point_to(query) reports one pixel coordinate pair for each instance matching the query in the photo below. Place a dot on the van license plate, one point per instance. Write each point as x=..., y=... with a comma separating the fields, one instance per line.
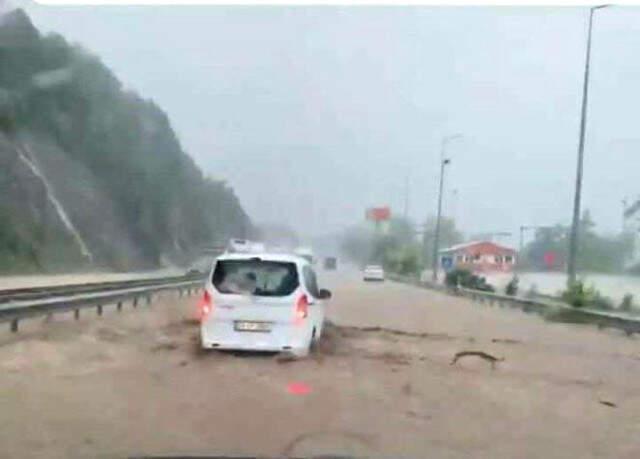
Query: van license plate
x=252, y=326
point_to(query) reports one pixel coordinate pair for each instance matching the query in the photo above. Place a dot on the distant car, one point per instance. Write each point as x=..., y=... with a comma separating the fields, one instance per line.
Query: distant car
x=330, y=263
x=373, y=273
x=262, y=302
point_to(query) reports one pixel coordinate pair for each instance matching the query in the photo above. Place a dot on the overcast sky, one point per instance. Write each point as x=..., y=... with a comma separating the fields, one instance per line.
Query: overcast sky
x=314, y=114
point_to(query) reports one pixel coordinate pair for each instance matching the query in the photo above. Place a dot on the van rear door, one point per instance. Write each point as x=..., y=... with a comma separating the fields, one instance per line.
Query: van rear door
x=255, y=290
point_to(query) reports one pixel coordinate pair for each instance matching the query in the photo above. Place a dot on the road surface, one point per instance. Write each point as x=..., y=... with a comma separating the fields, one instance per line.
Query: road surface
x=135, y=383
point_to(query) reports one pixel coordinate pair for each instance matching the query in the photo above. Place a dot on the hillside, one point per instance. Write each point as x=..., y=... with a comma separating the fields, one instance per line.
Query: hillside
x=91, y=174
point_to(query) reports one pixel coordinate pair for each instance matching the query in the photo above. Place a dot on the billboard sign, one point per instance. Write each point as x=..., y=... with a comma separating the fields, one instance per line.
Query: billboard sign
x=549, y=259
x=378, y=214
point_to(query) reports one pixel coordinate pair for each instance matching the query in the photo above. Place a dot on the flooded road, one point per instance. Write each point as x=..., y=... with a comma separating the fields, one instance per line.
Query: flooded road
x=383, y=383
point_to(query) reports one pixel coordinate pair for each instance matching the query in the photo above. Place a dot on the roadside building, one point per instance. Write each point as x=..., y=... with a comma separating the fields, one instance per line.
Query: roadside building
x=478, y=256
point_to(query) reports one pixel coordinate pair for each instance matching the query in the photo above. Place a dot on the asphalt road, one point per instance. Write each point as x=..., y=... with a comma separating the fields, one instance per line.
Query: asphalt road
x=135, y=383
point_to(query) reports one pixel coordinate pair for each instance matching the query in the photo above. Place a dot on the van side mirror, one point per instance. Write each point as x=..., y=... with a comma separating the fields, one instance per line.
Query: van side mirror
x=324, y=294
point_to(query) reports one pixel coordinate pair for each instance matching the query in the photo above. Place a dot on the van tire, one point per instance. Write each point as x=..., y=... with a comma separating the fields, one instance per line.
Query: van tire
x=313, y=344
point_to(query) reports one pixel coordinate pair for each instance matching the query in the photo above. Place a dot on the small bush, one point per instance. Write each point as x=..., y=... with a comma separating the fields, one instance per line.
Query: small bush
x=465, y=278
x=578, y=295
x=512, y=287
x=532, y=292
x=602, y=302
x=626, y=304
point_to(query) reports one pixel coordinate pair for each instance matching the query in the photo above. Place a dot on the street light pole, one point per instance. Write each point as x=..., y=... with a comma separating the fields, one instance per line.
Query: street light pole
x=573, y=241
x=443, y=162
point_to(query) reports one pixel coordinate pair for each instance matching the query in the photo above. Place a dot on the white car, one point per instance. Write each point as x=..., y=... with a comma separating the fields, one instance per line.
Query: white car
x=373, y=273
x=262, y=302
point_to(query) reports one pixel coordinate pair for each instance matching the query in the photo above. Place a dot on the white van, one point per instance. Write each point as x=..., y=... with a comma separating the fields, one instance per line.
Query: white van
x=262, y=302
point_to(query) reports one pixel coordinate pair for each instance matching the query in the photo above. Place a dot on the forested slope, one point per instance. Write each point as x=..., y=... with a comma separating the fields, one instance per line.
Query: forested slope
x=92, y=174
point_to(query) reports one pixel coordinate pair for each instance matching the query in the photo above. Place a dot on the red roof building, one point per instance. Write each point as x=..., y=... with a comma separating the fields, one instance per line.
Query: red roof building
x=478, y=256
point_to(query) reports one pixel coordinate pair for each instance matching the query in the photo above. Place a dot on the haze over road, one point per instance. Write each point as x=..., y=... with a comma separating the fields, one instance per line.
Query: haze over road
x=134, y=383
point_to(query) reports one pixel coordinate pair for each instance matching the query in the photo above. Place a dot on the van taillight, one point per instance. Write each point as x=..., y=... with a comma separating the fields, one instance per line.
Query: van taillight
x=205, y=306
x=302, y=308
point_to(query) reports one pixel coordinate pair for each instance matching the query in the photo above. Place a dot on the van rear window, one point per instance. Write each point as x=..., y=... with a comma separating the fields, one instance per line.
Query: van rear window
x=255, y=277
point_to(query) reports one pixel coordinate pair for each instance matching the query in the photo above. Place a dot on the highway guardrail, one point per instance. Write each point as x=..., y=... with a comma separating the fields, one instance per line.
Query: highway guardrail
x=42, y=301
x=554, y=311
x=34, y=293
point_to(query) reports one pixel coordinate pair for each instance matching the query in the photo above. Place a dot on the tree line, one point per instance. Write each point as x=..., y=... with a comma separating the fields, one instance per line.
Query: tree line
x=408, y=248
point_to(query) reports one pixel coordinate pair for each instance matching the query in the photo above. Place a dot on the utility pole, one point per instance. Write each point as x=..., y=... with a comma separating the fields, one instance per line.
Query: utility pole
x=436, y=240
x=573, y=241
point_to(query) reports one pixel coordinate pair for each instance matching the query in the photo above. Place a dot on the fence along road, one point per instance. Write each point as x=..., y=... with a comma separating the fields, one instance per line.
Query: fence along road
x=549, y=307
x=20, y=304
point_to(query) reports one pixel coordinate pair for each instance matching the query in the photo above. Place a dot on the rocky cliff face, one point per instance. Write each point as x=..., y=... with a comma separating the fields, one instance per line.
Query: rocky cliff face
x=91, y=175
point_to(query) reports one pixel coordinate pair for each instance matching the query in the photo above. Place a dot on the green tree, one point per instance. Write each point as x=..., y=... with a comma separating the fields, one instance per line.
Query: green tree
x=64, y=94
x=396, y=249
x=596, y=252
x=546, y=240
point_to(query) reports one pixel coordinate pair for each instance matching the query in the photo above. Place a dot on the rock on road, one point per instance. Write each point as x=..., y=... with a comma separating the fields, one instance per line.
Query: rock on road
x=381, y=385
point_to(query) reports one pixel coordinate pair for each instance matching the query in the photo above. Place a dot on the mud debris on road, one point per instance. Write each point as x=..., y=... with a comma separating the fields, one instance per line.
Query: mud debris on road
x=481, y=354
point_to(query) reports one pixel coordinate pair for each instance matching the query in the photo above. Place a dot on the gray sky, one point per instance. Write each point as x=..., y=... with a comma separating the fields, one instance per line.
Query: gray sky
x=313, y=114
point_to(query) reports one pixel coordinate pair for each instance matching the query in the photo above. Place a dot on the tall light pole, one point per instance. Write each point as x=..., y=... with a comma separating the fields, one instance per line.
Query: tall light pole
x=436, y=240
x=575, y=223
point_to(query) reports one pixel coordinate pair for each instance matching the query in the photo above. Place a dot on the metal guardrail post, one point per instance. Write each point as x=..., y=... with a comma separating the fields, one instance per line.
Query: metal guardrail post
x=14, y=325
x=76, y=314
x=135, y=302
x=119, y=306
x=99, y=309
